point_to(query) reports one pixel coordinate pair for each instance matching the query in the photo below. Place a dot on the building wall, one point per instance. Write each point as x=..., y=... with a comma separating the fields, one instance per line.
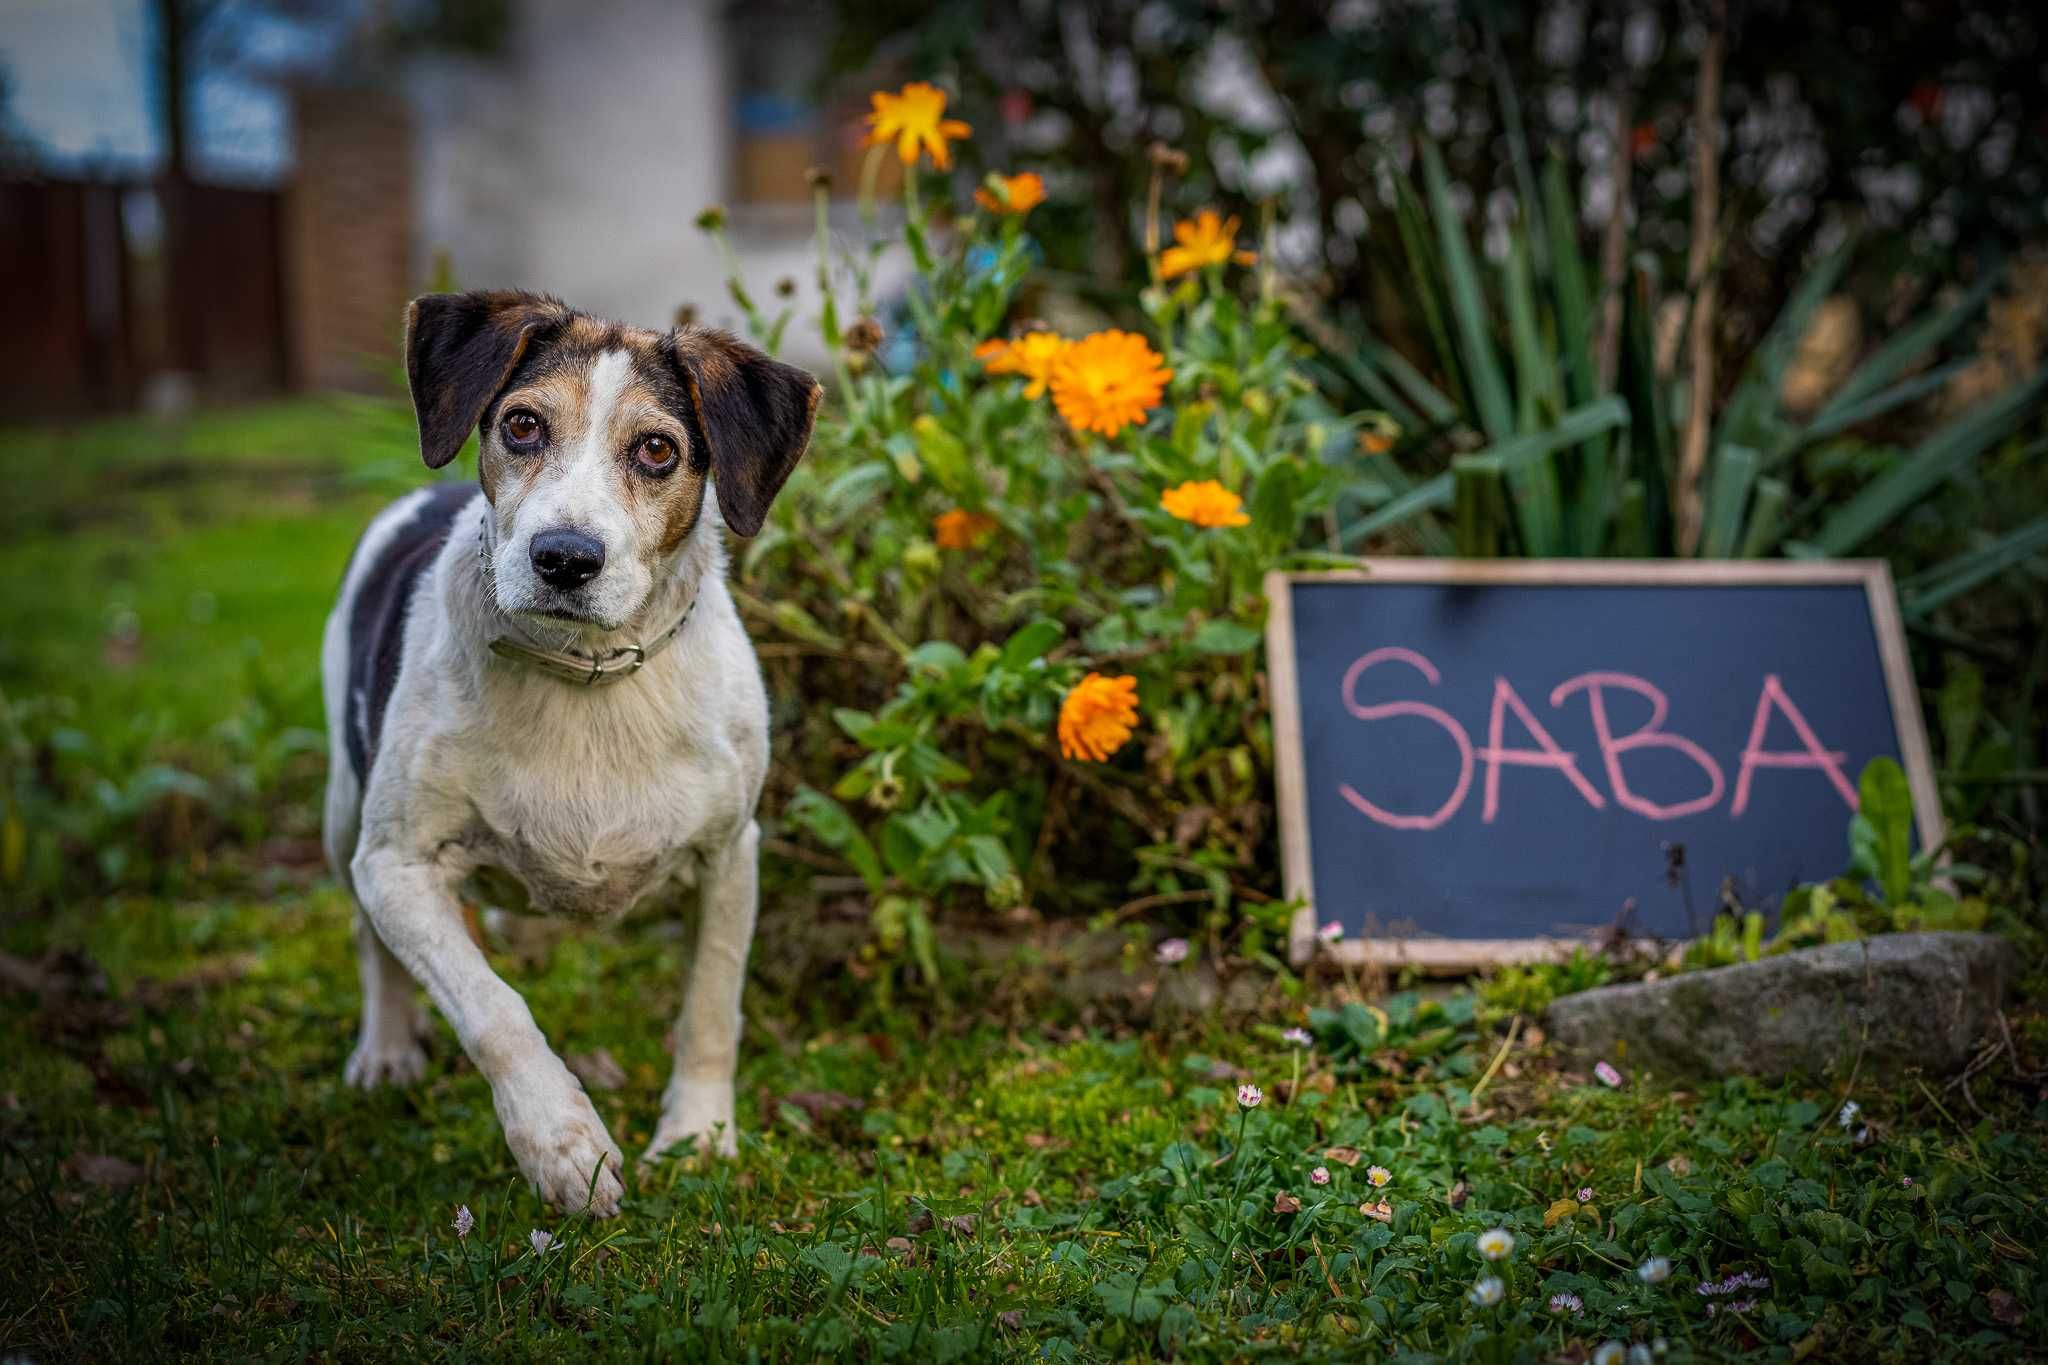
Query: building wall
x=576, y=160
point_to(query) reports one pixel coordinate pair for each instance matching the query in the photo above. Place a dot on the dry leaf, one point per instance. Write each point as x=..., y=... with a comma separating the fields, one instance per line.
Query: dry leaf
x=1284, y=1202
x=108, y=1172
x=1460, y=1192
x=1032, y=1199
x=1343, y=1156
x=1680, y=1166
x=1382, y=1211
x=597, y=1069
x=962, y=1223
x=1561, y=1209
x=2005, y=1308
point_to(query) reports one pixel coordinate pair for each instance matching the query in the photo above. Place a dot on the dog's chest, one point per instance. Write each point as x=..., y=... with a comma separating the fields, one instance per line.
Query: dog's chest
x=591, y=834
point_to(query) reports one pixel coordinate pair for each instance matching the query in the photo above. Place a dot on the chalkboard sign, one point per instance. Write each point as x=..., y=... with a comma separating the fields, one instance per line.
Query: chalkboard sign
x=1480, y=760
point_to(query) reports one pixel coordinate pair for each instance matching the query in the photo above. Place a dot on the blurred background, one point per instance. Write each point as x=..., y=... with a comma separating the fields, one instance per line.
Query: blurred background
x=213, y=211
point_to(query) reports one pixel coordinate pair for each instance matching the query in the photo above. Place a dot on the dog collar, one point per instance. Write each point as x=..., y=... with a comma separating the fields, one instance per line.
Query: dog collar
x=590, y=670
x=573, y=665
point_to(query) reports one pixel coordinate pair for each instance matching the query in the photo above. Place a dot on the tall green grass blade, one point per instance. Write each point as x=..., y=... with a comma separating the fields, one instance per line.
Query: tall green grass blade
x=1766, y=519
x=1517, y=137
x=1539, y=394
x=1517, y=453
x=1440, y=410
x=1750, y=417
x=1358, y=370
x=1836, y=417
x=1431, y=496
x=1632, y=523
x=1940, y=457
x=1925, y=592
x=1568, y=284
x=1735, y=473
x=1890, y=360
x=1479, y=517
x=1426, y=277
x=1649, y=439
x=1468, y=302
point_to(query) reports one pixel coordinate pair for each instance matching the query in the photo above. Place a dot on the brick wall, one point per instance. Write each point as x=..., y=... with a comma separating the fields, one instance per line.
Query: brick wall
x=349, y=221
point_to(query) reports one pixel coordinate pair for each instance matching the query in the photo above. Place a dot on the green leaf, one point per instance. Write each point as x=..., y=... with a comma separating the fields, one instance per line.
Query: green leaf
x=1940, y=457
x=829, y=823
x=1892, y=359
x=1924, y=592
x=1885, y=812
x=1734, y=474
x=1468, y=303
x=1224, y=637
x=1030, y=642
x=1273, y=503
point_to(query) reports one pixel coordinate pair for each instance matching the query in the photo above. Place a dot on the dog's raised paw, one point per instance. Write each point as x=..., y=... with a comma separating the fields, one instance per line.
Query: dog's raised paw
x=377, y=1062
x=560, y=1161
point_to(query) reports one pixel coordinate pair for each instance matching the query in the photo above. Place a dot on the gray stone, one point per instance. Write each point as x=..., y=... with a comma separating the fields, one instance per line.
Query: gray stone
x=1880, y=1006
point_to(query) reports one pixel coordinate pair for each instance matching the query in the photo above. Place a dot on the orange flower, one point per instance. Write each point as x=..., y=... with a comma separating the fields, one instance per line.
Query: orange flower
x=1032, y=355
x=1209, y=240
x=961, y=529
x=1018, y=194
x=1097, y=716
x=1108, y=381
x=914, y=118
x=1375, y=442
x=1207, y=503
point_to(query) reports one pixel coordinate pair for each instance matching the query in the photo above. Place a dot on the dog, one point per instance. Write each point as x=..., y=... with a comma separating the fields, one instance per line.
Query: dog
x=540, y=697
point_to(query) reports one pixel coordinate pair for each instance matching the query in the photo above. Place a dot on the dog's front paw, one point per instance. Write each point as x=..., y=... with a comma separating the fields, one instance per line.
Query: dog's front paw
x=565, y=1153
x=385, y=1061
x=699, y=1110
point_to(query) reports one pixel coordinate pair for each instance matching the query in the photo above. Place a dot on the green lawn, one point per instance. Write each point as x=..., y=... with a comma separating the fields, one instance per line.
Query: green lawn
x=182, y=1172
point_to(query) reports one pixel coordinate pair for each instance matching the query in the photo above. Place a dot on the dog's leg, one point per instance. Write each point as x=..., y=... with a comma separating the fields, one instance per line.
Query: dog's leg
x=552, y=1128
x=388, y=1047
x=699, y=1102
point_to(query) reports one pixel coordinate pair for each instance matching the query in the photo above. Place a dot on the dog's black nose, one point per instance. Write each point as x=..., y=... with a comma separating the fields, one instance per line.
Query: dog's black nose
x=566, y=559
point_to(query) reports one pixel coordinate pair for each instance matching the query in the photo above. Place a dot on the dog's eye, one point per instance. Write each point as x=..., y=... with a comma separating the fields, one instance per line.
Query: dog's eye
x=521, y=428
x=655, y=454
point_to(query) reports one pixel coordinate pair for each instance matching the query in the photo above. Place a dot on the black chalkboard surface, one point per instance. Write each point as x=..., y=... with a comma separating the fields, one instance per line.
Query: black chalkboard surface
x=1480, y=759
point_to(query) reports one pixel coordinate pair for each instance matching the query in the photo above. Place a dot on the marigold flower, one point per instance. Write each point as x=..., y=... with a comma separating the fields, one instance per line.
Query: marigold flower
x=960, y=529
x=1210, y=239
x=1170, y=951
x=1319, y=1176
x=1097, y=716
x=1108, y=381
x=914, y=119
x=1250, y=1096
x=1486, y=1292
x=1032, y=355
x=1496, y=1244
x=1207, y=504
x=1019, y=194
x=1379, y=1176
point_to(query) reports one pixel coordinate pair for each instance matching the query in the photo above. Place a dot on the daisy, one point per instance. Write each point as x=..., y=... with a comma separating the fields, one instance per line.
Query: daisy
x=1379, y=1176
x=1319, y=1176
x=1656, y=1270
x=1330, y=932
x=1487, y=1291
x=464, y=1220
x=1850, y=1110
x=1496, y=1244
x=1170, y=951
x=1567, y=1303
x=1299, y=1037
x=1607, y=1074
x=541, y=1242
x=1250, y=1096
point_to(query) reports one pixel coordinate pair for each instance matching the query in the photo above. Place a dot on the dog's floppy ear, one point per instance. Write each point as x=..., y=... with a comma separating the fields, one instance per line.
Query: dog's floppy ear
x=459, y=352
x=755, y=414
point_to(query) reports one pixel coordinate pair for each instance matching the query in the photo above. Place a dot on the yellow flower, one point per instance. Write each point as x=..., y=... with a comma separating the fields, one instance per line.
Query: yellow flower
x=1207, y=503
x=1032, y=355
x=961, y=529
x=1020, y=194
x=1108, y=381
x=914, y=118
x=1097, y=716
x=1209, y=240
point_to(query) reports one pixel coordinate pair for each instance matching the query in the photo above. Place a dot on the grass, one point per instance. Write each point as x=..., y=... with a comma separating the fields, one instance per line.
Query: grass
x=982, y=1176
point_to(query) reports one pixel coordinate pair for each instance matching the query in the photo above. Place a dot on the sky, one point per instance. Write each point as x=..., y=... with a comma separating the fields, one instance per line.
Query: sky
x=81, y=88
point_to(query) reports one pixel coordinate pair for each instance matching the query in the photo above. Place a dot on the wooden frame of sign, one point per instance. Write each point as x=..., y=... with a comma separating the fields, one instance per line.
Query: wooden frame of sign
x=1455, y=955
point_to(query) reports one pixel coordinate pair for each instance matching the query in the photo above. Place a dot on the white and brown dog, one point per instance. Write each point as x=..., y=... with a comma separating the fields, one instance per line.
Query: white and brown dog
x=541, y=690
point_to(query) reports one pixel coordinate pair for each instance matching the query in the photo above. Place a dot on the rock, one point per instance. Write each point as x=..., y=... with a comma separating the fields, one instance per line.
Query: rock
x=1898, y=1002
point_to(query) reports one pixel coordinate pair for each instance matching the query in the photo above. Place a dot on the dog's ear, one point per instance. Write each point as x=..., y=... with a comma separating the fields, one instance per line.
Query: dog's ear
x=755, y=415
x=459, y=353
